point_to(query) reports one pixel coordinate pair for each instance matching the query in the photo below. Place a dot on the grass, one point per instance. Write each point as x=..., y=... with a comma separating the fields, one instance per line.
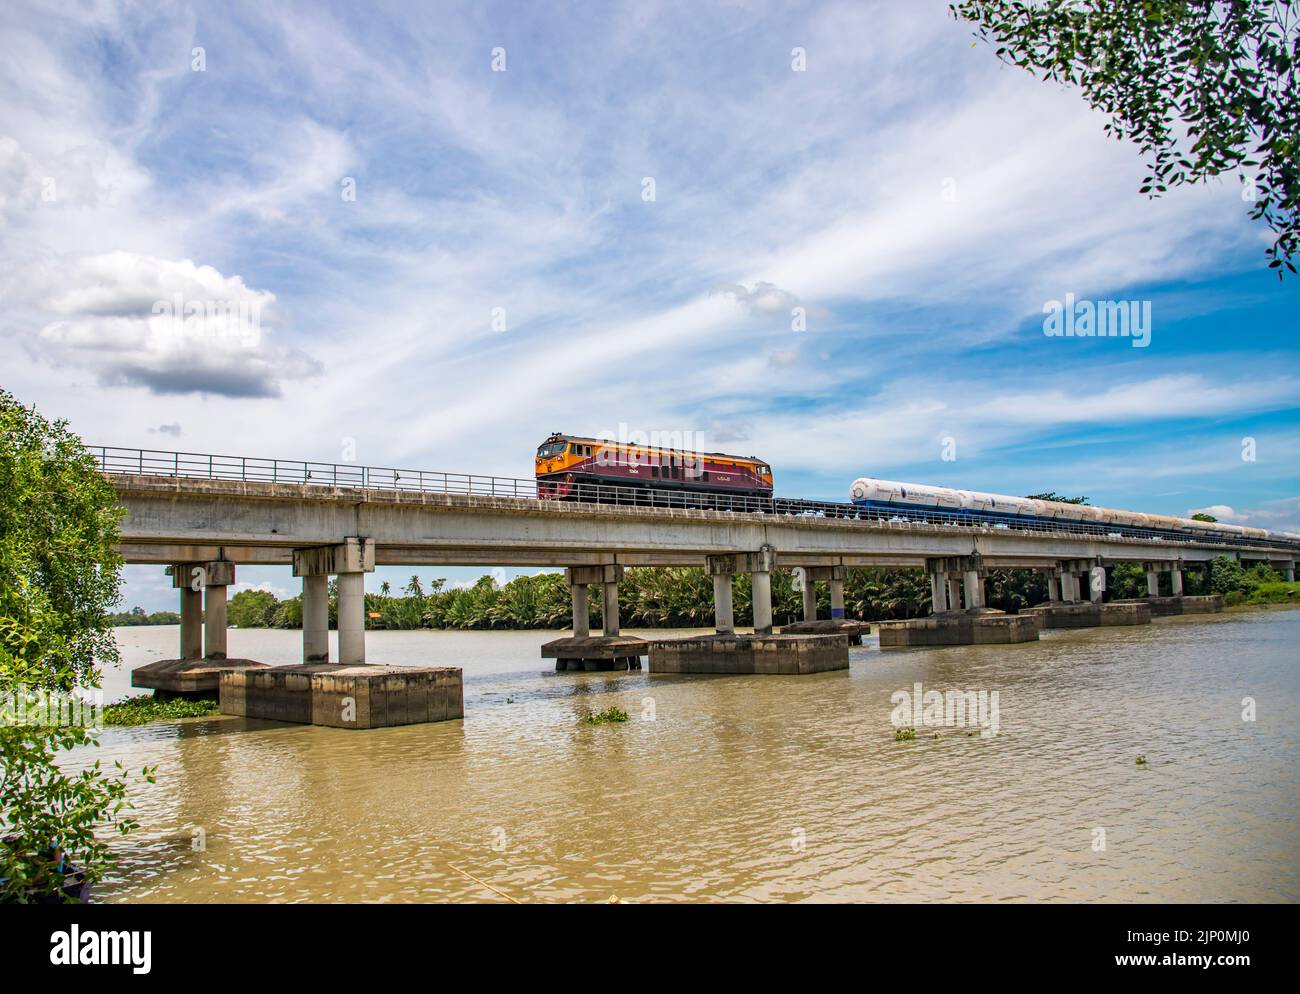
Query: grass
x=610, y=716
x=146, y=708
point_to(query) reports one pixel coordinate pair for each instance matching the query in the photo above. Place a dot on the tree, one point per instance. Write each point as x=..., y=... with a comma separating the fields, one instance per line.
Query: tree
x=385, y=589
x=252, y=609
x=1203, y=87
x=59, y=575
x=1202, y=516
x=1052, y=495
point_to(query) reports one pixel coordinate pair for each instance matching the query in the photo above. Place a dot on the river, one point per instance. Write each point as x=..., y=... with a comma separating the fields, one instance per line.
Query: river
x=746, y=788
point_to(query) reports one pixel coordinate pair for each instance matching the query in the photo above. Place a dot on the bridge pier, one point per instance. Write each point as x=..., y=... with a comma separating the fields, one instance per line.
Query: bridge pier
x=582, y=651
x=724, y=614
x=581, y=610
x=315, y=619
x=350, y=562
x=836, y=624
x=197, y=672
x=191, y=621
x=1097, y=584
x=809, y=598
x=1053, y=587
x=350, y=693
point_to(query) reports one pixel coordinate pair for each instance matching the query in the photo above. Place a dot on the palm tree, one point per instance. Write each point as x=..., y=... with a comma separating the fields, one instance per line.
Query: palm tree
x=385, y=589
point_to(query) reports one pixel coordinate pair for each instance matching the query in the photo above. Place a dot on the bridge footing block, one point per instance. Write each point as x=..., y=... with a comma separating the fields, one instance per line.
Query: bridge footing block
x=1162, y=607
x=343, y=696
x=853, y=630
x=595, y=653
x=192, y=679
x=758, y=654
x=1087, y=615
x=979, y=626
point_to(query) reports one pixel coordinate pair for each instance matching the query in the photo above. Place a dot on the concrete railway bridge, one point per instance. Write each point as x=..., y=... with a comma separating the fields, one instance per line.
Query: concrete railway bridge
x=201, y=515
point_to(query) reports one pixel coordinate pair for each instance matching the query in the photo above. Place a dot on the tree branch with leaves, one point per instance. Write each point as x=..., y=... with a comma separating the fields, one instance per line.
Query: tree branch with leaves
x=1202, y=87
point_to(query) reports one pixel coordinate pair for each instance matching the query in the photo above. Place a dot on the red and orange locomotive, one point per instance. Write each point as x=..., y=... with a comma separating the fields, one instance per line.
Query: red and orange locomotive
x=566, y=462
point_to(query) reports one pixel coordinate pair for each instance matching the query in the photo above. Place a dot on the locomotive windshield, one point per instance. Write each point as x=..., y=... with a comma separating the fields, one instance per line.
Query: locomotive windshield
x=549, y=449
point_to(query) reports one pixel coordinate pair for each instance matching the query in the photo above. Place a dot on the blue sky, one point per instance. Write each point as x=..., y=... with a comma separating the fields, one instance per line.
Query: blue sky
x=919, y=202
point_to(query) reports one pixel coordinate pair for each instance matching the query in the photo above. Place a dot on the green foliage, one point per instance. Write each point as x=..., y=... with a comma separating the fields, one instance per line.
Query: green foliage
x=1202, y=516
x=610, y=716
x=59, y=575
x=905, y=735
x=1012, y=590
x=252, y=609
x=1227, y=576
x=1053, y=495
x=146, y=708
x=136, y=616
x=1127, y=580
x=1276, y=592
x=1201, y=86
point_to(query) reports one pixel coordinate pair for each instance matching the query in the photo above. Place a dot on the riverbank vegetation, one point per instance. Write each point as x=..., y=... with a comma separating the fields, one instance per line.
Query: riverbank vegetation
x=59, y=574
x=137, y=616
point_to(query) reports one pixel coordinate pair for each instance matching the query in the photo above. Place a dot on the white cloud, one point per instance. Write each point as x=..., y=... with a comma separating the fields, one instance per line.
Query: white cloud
x=170, y=326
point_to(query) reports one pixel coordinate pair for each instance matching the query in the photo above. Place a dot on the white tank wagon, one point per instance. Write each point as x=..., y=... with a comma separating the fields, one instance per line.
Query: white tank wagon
x=939, y=505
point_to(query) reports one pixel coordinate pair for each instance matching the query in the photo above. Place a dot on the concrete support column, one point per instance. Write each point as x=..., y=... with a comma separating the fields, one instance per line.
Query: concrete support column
x=352, y=619
x=1097, y=584
x=759, y=566
x=1176, y=580
x=809, y=598
x=837, y=599
x=938, y=593
x=1069, y=586
x=1053, y=588
x=1153, y=583
x=723, y=612
x=1288, y=572
x=954, y=592
x=351, y=560
x=974, y=584
x=761, y=587
x=581, y=611
x=315, y=619
x=214, y=621
x=609, y=610
x=191, y=623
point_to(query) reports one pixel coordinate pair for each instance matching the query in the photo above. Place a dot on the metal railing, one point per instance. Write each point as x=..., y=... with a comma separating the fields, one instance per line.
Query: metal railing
x=193, y=465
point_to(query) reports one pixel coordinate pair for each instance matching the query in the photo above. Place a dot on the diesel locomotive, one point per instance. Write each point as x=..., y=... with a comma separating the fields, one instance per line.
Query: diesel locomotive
x=573, y=467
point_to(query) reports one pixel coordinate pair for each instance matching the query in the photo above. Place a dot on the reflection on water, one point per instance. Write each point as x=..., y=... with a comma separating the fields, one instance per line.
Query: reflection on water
x=747, y=788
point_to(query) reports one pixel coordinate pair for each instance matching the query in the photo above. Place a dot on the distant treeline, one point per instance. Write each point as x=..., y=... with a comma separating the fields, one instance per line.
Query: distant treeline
x=682, y=597
x=137, y=616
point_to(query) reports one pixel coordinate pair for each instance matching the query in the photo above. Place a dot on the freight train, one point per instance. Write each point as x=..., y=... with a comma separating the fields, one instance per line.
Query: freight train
x=578, y=468
x=887, y=498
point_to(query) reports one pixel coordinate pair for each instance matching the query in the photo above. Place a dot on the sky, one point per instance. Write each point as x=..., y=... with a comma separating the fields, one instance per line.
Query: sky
x=824, y=234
